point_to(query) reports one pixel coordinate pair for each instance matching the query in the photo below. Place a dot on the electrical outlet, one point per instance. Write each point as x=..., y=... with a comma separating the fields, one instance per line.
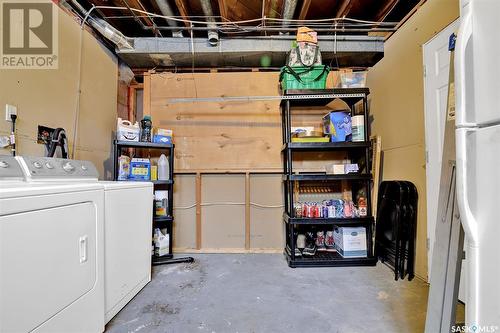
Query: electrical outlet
x=10, y=110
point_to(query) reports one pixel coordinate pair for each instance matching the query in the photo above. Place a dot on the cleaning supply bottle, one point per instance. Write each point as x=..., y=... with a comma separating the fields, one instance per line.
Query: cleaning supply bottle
x=146, y=128
x=163, y=168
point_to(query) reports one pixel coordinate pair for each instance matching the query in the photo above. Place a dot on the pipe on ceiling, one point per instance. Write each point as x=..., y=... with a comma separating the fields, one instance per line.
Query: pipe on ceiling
x=288, y=11
x=110, y=32
x=213, y=35
x=166, y=10
x=229, y=29
x=106, y=29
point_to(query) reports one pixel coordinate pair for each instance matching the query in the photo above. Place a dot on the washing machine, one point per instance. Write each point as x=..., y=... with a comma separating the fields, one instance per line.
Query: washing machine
x=128, y=220
x=127, y=233
x=51, y=249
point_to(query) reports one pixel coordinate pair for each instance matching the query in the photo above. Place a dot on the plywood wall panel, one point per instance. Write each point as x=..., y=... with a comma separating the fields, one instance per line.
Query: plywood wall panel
x=219, y=136
x=223, y=212
x=228, y=135
x=266, y=224
x=185, y=218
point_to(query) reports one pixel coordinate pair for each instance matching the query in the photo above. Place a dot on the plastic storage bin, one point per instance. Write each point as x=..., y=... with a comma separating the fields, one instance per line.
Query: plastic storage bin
x=353, y=79
x=304, y=77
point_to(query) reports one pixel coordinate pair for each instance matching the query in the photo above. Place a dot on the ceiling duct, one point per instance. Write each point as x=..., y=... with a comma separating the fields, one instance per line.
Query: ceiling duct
x=166, y=10
x=288, y=11
x=106, y=29
x=213, y=36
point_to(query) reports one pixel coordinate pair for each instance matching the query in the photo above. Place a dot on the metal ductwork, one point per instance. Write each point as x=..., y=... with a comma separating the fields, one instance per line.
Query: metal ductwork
x=106, y=29
x=166, y=10
x=213, y=36
x=110, y=33
x=288, y=11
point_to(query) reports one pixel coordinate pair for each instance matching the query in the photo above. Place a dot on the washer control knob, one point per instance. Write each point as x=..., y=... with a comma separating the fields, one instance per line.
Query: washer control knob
x=37, y=165
x=84, y=168
x=68, y=167
x=4, y=164
x=48, y=165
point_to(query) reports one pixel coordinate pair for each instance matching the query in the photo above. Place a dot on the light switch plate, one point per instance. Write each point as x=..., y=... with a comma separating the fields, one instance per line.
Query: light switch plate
x=10, y=110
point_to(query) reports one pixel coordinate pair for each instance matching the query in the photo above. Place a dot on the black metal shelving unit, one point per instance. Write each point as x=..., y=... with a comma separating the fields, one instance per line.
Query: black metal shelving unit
x=158, y=221
x=311, y=98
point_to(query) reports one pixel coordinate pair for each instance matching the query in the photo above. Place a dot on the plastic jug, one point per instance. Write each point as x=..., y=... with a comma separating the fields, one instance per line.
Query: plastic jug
x=163, y=168
x=126, y=131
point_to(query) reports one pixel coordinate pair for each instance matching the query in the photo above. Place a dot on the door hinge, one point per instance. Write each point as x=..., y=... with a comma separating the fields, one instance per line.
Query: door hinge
x=426, y=157
x=428, y=244
x=425, y=71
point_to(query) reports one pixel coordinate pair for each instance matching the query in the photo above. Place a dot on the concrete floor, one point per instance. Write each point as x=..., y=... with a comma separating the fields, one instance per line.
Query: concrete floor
x=259, y=293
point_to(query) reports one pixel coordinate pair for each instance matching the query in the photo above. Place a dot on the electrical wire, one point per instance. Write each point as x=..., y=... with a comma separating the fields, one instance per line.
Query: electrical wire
x=79, y=86
x=173, y=18
x=228, y=203
x=295, y=25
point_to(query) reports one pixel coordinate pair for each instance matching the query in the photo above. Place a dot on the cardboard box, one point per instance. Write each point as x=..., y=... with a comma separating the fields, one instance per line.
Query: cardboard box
x=337, y=124
x=140, y=169
x=308, y=35
x=335, y=169
x=162, y=139
x=164, y=132
x=350, y=242
x=311, y=139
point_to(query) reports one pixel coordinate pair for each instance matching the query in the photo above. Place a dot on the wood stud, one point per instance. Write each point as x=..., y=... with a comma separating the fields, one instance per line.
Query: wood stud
x=247, y=211
x=198, y=211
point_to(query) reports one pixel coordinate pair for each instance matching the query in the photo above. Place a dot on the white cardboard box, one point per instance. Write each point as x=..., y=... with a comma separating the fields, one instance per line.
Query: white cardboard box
x=350, y=242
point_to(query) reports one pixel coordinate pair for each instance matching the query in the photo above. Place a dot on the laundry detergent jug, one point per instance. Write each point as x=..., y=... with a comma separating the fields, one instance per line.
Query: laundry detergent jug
x=126, y=131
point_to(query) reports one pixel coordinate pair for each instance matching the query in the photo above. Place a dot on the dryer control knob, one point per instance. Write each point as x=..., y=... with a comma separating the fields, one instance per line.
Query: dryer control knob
x=4, y=164
x=37, y=165
x=48, y=165
x=68, y=167
x=84, y=168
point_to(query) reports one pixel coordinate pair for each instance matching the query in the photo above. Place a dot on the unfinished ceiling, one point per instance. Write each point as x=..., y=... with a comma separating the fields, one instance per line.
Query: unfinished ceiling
x=250, y=33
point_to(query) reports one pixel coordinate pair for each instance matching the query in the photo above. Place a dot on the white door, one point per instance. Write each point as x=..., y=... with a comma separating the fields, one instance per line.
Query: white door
x=436, y=78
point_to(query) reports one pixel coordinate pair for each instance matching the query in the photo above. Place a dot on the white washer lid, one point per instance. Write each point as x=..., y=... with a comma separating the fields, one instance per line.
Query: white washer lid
x=116, y=185
x=22, y=189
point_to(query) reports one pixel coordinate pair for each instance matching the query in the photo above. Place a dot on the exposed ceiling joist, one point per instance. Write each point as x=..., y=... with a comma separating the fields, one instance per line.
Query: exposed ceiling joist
x=385, y=10
x=344, y=8
x=223, y=9
x=181, y=6
x=305, y=9
x=136, y=4
x=273, y=8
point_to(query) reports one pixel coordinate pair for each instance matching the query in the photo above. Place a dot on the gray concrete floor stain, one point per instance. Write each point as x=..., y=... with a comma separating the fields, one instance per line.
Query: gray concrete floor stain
x=260, y=293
